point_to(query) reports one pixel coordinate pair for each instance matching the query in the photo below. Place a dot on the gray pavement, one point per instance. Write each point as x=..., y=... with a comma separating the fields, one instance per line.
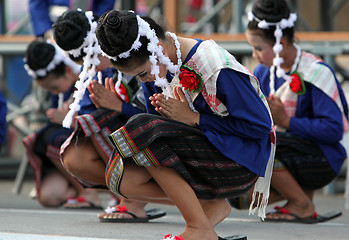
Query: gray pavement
x=22, y=218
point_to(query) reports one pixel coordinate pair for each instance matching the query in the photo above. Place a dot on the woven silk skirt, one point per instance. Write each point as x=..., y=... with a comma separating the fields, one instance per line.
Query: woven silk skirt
x=304, y=160
x=97, y=125
x=151, y=140
x=42, y=147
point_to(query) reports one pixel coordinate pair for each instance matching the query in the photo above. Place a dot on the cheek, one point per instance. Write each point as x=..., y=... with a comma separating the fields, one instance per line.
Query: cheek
x=65, y=86
x=163, y=71
x=53, y=91
x=102, y=66
x=268, y=57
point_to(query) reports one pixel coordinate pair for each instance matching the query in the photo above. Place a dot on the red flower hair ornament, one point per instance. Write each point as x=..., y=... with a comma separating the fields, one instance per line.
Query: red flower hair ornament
x=297, y=84
x=190, y=79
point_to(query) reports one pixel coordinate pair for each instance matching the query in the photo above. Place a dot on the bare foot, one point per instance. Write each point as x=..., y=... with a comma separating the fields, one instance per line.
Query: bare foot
x=81, y=202
x=201, y=233
x=303, y=210
x=216, y=210
x=135, y=207
x=86, y=198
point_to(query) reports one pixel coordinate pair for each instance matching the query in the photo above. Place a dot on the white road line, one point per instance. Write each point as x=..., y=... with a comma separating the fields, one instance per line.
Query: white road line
x=21, y=236
x=230, y=219
x=38, y=211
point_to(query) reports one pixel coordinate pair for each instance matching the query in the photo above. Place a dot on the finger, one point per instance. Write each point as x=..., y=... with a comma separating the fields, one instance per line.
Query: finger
x=181, y=95
x=94, y=99
x=109, y=84
x=277, y=99
x=90, y=89
x=157, y=109
x=176, y=94
x=158, y=96
x=66, y=104
x=164, y=112
x=162, y=102
x=154, y=104
x=106, y=82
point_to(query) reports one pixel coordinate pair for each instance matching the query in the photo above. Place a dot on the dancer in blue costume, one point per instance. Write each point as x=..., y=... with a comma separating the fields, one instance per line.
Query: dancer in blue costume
x=42, y=19
x=54, y=71
x=308, y=107
x=117, y=102
x=211, y=142
x=3, y=125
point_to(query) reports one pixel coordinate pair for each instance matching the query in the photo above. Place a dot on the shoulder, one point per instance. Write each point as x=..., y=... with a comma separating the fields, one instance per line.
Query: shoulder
x=314, y=70
x=109, y=72
x=261, y=72
x=260, y=69
x=2, y=98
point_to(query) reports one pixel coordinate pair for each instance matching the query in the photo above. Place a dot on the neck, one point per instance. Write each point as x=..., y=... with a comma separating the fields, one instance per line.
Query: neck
x=289, y=56
x=186, y=45
x=171, y=49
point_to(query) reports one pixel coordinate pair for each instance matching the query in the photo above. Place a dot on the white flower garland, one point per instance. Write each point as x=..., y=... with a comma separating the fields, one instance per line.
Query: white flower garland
x=277, y=48
x=156, y=51
x=286, y=77
x=92, y=49
x=58, y=58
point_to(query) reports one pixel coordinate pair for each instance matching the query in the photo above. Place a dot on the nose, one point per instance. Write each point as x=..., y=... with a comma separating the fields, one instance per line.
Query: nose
x=145, y=79
x=254, y=54
x=55, y=92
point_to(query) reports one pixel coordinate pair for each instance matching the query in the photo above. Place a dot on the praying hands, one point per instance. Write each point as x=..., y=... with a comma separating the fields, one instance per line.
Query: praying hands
x=175, y=108
x=105, y=97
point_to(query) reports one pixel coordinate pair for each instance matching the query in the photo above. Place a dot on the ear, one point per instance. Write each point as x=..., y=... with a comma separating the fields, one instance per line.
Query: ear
x=163, y=48
x=284, y=41
x=69, y=73
x=68, y=70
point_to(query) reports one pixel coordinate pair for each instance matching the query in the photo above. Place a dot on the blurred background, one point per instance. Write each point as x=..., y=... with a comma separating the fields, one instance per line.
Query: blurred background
x=322, y=28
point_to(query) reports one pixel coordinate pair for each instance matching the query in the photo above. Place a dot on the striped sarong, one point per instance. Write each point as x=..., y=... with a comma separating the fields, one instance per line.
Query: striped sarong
x=98, y=126
x=151, y=140
x=42, y=147
x=304, y=160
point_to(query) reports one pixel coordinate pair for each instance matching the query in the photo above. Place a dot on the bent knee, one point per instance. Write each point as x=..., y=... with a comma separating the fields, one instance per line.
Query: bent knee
x=49, y=199
x=70, y=162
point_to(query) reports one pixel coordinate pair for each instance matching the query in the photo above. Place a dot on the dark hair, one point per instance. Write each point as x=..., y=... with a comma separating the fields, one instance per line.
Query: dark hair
x=271, y=11
x=39, y=54
x=118, y=30
x=70, y=30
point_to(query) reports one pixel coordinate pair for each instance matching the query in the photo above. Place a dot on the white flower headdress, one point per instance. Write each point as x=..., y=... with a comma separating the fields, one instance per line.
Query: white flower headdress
x=156, y=51
x=92, y=49
x=277, y=48
x=58, y=58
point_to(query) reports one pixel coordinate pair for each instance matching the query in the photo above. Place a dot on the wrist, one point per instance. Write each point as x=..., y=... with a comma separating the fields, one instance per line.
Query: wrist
x=286, y=123
x=196, y=119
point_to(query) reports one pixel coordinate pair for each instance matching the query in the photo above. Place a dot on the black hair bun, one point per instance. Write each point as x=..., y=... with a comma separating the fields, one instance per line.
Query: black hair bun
x=39, y=54
x=117, y=31
x=70, y=29
x=271, y=10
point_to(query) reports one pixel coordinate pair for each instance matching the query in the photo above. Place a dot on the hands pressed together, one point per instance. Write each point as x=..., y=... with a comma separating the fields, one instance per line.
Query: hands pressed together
x=176, y=108
x=105, y=96
x=278, y=112
x=57, y=115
